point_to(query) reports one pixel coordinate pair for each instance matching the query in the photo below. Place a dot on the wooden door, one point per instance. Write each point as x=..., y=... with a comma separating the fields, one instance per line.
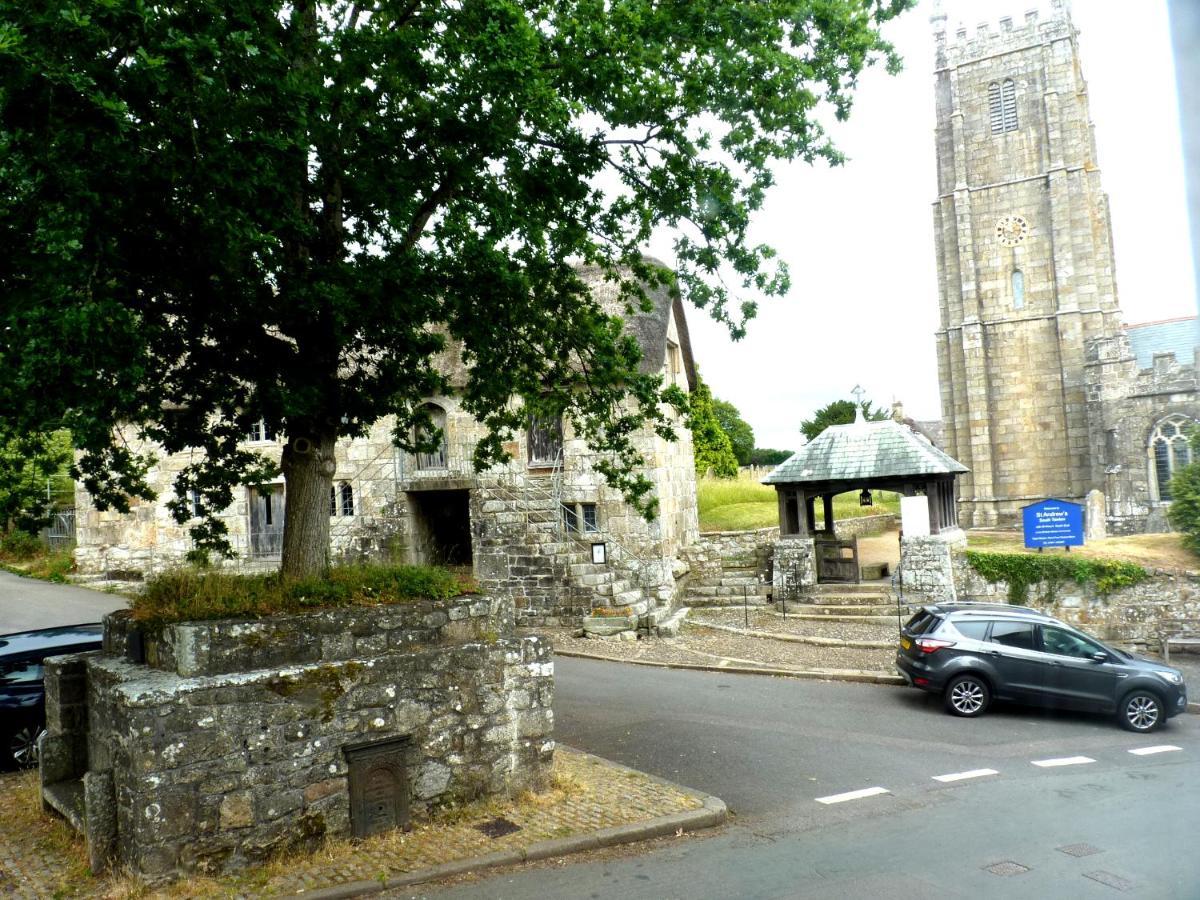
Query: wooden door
x=837, y=561
x=266, y=522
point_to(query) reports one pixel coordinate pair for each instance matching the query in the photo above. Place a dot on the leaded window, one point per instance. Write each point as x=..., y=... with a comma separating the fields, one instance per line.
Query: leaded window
x=1169, y=451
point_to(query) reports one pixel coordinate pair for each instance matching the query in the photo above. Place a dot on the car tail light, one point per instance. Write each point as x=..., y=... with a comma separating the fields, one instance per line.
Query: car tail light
x=931, y=645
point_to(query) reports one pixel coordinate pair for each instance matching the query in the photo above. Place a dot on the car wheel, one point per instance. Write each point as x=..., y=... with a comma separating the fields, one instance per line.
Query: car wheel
x=1141, y=711
x=23, y=745
x=967, y=696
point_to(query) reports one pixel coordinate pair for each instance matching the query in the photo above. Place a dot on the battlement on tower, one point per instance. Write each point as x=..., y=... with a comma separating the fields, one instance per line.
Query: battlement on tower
x=956, y=44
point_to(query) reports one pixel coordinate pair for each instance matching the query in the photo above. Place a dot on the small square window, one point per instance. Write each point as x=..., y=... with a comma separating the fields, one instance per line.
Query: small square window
x=197, y=509
x=580, y=518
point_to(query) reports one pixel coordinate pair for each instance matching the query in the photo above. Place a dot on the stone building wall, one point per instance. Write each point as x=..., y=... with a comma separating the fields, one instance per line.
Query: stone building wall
x=235, y=740
x=1028, y=201
x=1125, y=404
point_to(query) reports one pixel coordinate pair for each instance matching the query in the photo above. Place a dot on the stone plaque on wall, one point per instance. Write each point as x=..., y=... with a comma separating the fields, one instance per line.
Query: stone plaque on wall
x=378, y=786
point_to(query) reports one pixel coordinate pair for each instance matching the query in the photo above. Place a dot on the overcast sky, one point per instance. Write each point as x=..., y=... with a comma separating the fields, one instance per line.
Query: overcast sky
x=859, y=239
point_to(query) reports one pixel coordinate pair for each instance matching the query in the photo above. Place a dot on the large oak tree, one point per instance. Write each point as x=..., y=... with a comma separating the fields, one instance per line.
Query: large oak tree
x=220, y=211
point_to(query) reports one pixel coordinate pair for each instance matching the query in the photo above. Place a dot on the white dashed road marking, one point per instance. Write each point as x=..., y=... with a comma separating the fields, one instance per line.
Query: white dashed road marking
x=962, y=776
x=1161, y=748
x=853, y=795
x=1063, y=761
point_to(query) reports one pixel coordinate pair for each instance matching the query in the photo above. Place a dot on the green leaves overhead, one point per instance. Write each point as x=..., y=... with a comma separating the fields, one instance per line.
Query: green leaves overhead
x=215, y=213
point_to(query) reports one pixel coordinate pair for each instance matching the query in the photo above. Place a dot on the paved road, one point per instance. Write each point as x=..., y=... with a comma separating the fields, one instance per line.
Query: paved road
x=26, y=603
x=772, y=747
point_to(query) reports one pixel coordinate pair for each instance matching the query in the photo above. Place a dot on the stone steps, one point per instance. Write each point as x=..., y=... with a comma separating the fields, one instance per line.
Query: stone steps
x=829, y=611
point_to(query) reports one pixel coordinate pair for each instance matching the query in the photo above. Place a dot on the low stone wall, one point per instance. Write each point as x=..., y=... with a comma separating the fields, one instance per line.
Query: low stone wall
x=794, y=567
x=1131, y=615
x=238, y=739
x=726, y=566
x=864, y=525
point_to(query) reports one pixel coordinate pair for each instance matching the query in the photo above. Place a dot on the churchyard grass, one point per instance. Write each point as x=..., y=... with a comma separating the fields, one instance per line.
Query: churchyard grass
x=742, y=503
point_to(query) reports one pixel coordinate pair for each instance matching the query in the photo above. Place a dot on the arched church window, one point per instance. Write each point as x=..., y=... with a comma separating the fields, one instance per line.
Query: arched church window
x=1018, y=289
x=1169, y=450
x=1002, y=106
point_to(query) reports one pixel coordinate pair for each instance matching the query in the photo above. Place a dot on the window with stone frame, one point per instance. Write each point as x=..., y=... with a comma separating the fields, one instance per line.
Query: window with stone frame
x=341, y=499
x=1002, y=106
x=1170, y=449
x=260, y=431
x=580, y=518
x=545, y=440
x=439, y=457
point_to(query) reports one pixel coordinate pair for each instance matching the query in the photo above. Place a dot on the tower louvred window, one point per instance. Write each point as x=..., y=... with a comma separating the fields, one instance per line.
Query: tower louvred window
x=1002, y=106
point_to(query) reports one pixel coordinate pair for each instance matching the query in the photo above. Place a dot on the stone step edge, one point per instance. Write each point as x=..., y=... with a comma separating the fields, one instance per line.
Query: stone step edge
x=797, y=638
x=870, y=620
x=712, y=812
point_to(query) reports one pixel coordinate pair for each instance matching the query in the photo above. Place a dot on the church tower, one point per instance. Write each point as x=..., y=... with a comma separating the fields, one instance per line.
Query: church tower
x=1025, y=264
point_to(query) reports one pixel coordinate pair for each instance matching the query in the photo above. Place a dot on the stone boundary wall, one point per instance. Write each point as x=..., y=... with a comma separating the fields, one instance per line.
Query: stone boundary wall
x=245, y=755
x=931, y=564
x=1131, y=615
x=726, y=566
x=864, y=525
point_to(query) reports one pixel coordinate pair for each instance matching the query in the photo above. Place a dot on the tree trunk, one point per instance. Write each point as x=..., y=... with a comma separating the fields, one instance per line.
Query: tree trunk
x=308, y=466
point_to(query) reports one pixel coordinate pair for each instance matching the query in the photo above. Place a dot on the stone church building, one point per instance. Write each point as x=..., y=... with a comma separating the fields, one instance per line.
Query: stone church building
x=1045, y=392
x=544, y=529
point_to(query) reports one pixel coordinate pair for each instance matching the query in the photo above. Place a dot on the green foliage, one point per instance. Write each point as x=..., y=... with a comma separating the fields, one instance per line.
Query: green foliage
x=19, y=546
x=190, y=595
x=284, y=210
x=1184, y=512
x=713, y=451
x=1021, y=570
x=27, y=463
x=741, y=435
x=839, y=412
x=762, y=456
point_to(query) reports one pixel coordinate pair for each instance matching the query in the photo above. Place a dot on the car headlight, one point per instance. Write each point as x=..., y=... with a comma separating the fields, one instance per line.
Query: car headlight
x=1172, y=677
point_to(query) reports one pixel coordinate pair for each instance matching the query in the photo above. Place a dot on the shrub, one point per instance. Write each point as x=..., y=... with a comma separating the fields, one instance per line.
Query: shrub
x=19, y=546
x=1184, y=513
x=1020, y=570
x=189, y=594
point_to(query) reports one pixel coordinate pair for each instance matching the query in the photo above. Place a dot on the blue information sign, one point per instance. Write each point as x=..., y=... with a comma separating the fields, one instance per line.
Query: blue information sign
x=1053, y=523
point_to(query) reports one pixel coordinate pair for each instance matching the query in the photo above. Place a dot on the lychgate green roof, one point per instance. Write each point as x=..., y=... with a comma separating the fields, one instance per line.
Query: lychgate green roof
x=864, y=450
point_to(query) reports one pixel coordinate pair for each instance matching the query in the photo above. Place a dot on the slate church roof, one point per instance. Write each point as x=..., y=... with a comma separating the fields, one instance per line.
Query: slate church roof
x=1178, y=336
x=864, y=450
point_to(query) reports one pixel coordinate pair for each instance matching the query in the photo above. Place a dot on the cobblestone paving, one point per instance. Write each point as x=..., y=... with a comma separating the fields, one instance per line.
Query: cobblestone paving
x=40, y=857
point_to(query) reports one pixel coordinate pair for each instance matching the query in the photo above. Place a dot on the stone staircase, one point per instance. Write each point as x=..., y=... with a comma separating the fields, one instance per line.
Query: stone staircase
x=872, y=603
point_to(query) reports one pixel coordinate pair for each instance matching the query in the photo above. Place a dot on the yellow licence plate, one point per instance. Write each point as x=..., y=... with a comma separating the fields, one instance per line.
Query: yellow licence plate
x=905, y=643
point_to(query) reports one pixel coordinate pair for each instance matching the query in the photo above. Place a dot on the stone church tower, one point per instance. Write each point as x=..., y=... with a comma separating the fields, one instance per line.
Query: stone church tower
x=1025, y=262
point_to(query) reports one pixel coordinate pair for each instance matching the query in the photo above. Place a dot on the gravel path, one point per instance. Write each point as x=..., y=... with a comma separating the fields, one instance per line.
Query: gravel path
x=701, y=646
x=769, y=620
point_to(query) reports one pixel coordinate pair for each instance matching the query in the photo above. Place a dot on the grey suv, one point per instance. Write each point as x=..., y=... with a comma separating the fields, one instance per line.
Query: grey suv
x=972, y=653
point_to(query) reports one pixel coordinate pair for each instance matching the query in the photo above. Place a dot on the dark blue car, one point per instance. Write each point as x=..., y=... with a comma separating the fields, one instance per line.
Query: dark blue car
x=22, y=692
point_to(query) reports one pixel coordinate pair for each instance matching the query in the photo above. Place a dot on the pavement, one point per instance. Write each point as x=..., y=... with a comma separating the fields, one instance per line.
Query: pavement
x=852, y=790
x=27, y=603
x=592, y=804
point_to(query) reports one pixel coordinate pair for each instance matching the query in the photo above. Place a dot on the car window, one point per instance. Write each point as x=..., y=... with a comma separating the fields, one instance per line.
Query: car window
x=1013, y=634
x=1067, y=643
x=25, y=672
x=975, y=629
x=922, y=623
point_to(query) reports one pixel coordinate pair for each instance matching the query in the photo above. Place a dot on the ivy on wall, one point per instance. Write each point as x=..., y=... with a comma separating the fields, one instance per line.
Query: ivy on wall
x=1021, y=570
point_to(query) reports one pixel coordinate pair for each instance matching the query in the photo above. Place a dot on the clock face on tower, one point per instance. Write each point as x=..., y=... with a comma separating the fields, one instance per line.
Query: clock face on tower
x=1011, y=230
